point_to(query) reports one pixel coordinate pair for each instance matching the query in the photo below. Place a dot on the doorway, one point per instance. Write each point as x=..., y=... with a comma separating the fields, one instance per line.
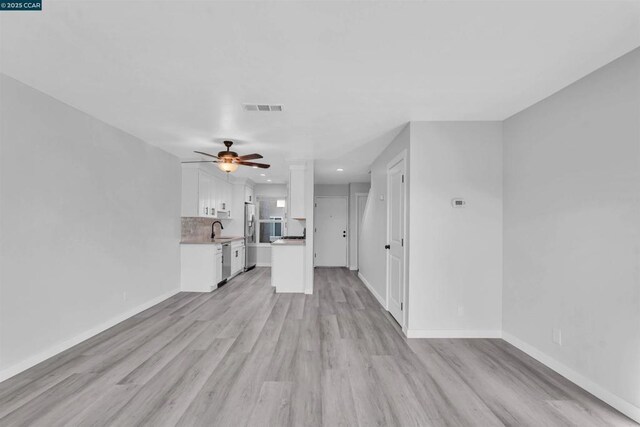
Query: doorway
x=330, y=226
x=396, y=228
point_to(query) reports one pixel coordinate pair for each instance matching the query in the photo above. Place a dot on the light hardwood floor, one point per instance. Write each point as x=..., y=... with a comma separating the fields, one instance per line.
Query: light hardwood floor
x=243, y=355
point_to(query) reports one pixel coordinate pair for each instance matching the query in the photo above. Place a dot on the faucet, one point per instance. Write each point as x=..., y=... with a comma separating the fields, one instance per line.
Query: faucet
x=213, y=229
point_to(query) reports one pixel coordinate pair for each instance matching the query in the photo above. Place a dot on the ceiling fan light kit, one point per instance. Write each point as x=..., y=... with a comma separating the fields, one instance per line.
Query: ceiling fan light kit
x=228, y=161
x=228, y=166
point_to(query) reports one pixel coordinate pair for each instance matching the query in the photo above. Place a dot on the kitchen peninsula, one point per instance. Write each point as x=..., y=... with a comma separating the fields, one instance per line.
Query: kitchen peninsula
x=288, y=265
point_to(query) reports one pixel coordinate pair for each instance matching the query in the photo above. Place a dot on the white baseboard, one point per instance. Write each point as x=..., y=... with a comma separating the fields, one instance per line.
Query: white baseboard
x=373, y=291
x=67, y=344
x=620, y=404
x=352, y=268
x=263, y=264
x=452, y=333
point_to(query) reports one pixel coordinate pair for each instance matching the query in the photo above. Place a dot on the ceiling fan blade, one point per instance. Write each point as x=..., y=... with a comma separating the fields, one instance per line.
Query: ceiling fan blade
x=205, y=154
x=200, y=161
x=249, y=156
x=258, y=165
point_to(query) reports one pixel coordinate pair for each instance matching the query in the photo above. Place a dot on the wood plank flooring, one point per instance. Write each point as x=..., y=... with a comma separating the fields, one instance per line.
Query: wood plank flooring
x=243, y=355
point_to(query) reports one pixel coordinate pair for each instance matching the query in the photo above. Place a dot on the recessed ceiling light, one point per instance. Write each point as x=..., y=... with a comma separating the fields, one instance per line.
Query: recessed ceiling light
x=268, y=180
x=262, y=174
x=339, y=170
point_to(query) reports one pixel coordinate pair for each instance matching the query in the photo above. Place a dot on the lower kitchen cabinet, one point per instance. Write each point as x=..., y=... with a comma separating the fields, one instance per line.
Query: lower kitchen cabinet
x=201, y=267
x=237, y=257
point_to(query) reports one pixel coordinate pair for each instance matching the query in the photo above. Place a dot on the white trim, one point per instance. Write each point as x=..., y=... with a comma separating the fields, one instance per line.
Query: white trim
x=453, y=333
x=353, y=268
x=400, y=157
x=355, y=264
x=263, y=264
x=346, y=255
x=373, y=291
x=601, y=393
x=67, y=344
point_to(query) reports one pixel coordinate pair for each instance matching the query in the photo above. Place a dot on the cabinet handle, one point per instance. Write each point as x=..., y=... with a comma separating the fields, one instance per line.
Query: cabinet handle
x=206, y=211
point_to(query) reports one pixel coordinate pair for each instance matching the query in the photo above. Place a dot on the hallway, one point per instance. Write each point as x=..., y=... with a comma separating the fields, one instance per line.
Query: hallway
x=243, y=355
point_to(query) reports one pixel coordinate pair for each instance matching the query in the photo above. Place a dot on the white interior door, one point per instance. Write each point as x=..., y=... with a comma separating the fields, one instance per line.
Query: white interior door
x=395, y=239
x=330, y=238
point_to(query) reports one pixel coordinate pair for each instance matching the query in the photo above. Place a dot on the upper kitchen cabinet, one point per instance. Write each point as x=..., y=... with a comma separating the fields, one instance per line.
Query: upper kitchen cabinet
x=248, y=195
x=296, y=192
x=198, y=193
x=224, y=198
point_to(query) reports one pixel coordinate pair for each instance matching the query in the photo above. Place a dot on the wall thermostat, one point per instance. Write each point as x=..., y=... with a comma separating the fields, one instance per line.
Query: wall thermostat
x=458, y=203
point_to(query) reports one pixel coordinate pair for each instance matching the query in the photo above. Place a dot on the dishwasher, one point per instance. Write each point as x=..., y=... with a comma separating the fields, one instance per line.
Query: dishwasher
x=226, y=261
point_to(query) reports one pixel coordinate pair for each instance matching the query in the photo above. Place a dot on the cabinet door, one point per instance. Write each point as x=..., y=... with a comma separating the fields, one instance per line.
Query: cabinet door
x=204, y=188
x=213, y=197
x=218, y=268
x=228, y=188
x=248, y=194
x=235, y=260
x=221, y=201
x=242, y=258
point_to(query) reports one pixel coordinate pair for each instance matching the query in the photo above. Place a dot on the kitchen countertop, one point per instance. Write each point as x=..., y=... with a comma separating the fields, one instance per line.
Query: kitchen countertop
x=209, y=241
x=289, y=242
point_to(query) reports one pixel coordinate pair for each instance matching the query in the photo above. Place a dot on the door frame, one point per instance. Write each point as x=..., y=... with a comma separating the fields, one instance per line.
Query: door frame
x=346, y=198
x=400, y=157
x=357, y=230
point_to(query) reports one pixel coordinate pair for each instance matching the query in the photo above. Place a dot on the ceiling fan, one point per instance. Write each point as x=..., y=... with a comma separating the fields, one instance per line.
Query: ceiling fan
x=228, y=161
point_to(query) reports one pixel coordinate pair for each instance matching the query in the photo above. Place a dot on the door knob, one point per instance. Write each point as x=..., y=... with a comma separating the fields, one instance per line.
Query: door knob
x=387, y=246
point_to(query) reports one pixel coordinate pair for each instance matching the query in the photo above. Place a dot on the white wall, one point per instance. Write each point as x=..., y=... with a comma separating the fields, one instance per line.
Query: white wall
x=331, y=189
x=572, y=230
x=455, y=264
x=354, y=188
x=374, y=222
x=89, y=227
x=270, y=190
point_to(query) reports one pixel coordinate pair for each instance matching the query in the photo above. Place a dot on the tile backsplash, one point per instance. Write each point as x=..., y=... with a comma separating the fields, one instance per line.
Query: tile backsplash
x=198, y=228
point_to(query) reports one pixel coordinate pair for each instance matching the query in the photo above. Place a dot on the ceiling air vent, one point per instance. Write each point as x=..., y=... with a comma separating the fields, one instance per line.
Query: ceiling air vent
x=262, y=107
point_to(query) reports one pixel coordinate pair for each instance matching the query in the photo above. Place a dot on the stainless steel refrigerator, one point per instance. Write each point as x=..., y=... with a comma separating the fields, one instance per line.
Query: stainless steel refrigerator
x=250, y=249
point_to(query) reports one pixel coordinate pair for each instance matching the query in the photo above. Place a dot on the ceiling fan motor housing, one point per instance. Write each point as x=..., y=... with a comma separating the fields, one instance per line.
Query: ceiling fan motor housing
x=228, y=153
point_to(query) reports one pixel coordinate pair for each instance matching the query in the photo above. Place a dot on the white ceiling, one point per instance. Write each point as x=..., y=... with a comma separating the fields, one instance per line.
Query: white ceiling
x=350, y=74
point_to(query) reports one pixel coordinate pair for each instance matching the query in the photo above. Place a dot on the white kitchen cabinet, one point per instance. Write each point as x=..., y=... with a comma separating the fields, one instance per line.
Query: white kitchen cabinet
x=201, y=267
x=288, y=265
x=197, y=192
x=218, y=265
x=213, y=197
x=237, y=257
x=296, y=192
x=224, y=197
x=205, y=189
x=248, y=194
